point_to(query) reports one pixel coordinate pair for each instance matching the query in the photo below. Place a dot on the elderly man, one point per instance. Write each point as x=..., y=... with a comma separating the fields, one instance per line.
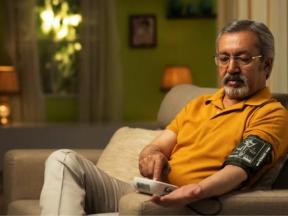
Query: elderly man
x=222, y=142
x=216, y=144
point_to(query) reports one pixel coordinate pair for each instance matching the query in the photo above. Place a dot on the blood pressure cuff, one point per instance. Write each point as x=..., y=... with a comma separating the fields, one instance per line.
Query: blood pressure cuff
x=251, y=155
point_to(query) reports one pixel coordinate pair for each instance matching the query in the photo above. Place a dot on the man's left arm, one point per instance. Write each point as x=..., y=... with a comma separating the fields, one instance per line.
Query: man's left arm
x=250, y=156
x=223, y=181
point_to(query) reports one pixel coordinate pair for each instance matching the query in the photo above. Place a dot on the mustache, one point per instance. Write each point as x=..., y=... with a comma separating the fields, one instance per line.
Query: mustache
x=234, y=77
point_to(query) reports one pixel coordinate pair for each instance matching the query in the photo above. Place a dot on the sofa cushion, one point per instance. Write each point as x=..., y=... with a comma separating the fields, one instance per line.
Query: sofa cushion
x=31, y=207
x=281, y=180
x=120, y=156
x=270, y=177
x=24, y=207
x=272, y=202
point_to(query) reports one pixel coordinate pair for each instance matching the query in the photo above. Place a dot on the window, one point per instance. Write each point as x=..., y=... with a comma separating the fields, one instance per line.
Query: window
x=58, y=45
x=74, y=79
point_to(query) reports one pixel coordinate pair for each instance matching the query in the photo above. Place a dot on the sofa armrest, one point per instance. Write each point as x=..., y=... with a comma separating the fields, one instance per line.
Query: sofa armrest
x=23, y=172
x=139, y=204
x=272, y=202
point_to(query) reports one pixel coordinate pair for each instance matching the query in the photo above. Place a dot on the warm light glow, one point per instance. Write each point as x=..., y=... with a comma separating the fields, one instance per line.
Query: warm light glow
x=4, y=110
x=62, y=23
x=4, y=113
x=8, y=80
x=75, y=20
x=48, y=16
x=7, y=68
x=175, y=75
x=62, y=33
x=56, y=24
x=3, y=121
x=77, y=46
x=8, y=86
x=55, y=2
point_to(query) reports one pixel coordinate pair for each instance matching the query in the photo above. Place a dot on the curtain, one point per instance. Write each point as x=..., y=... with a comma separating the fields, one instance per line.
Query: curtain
x=100, y=95
x=100, y=88
x=23, y=51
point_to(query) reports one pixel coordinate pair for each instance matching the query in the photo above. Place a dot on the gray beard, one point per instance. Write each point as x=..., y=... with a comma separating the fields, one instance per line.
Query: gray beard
x=237, y=93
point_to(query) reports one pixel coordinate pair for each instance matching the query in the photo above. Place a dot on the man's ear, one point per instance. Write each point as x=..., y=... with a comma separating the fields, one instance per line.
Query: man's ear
x=268, y=63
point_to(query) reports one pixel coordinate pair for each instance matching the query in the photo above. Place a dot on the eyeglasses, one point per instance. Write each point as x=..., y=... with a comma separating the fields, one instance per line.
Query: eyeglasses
x=224, y=60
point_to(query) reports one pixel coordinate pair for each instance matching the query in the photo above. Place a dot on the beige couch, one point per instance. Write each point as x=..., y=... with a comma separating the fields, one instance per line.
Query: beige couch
x=23, y=172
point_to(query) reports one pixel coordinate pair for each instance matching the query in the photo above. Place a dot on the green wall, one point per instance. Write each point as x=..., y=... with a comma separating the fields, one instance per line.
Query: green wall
x=179, y=42
x=61, y=109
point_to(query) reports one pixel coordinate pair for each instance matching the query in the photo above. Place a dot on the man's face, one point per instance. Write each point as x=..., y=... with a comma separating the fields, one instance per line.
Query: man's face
x=245, y=73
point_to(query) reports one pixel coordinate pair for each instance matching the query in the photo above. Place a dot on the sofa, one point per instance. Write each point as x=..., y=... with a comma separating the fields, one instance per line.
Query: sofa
x=24, y=170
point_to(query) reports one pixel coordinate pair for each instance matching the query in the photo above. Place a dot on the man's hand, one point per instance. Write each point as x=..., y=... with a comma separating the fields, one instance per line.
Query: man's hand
x=223, y=181
x=153, y=159
x=152, y=165
x=181, y=196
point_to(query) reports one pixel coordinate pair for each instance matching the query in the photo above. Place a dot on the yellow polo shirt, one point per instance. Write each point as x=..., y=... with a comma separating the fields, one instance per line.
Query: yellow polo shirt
x=207, y=133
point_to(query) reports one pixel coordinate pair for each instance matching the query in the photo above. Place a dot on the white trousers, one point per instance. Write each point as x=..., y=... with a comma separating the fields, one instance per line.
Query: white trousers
x=73, y=185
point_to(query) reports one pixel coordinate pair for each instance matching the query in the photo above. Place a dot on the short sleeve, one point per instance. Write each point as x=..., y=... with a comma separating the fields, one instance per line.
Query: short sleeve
x=270, y=123
x=177, y=122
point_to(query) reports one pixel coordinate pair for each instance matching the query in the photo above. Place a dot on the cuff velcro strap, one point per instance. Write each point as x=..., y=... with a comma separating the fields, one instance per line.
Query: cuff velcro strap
x=251, y=155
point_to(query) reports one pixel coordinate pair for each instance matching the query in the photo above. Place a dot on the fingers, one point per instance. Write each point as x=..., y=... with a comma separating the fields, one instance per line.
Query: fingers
x=158, y=168
x=152, y=165
x=165, y=200
x=180, y=197
x=146, y=166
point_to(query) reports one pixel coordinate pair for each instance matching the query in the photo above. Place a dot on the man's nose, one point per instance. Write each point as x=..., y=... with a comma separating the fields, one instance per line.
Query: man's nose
x=233, y=66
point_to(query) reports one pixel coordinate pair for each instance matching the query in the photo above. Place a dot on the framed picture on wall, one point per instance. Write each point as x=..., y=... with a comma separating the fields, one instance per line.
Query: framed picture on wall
x=142, y=30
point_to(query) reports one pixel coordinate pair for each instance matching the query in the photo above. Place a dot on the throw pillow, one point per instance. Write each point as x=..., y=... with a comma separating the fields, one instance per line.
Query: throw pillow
x=269, y=178
x=281, y=180
x=120, y=156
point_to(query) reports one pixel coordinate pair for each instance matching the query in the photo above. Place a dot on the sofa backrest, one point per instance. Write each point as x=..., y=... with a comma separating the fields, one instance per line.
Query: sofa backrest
x=282, y=98
x=178, y=96
x=176, y=99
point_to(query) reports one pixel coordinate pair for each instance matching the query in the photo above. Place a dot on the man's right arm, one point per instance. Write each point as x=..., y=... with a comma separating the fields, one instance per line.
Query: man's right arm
x=154, y=157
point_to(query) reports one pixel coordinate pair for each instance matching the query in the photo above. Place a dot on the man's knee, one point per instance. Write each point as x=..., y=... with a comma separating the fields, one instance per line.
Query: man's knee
x=67, y=160
x=61, y=156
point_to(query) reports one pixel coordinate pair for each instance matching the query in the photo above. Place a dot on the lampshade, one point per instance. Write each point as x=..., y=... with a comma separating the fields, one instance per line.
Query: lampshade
x=175, y=75
x=8, y=80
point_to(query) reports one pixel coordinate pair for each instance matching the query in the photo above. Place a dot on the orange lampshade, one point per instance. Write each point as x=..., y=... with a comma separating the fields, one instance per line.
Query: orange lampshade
x=175, y=75
x=8, y=80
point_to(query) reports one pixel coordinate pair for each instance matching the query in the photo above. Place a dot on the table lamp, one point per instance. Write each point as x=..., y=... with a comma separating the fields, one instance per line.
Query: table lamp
x=174, y=75
x=8, y=86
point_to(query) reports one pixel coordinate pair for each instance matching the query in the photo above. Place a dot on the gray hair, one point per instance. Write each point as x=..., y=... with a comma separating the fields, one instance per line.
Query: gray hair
x=265, y=37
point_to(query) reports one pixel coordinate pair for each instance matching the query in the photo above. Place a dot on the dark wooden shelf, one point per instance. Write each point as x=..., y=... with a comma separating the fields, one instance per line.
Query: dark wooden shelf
x=201, y=16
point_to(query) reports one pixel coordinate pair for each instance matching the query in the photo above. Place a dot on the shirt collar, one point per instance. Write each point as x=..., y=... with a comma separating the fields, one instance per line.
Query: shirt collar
x=260, y=97
x=257, y=99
